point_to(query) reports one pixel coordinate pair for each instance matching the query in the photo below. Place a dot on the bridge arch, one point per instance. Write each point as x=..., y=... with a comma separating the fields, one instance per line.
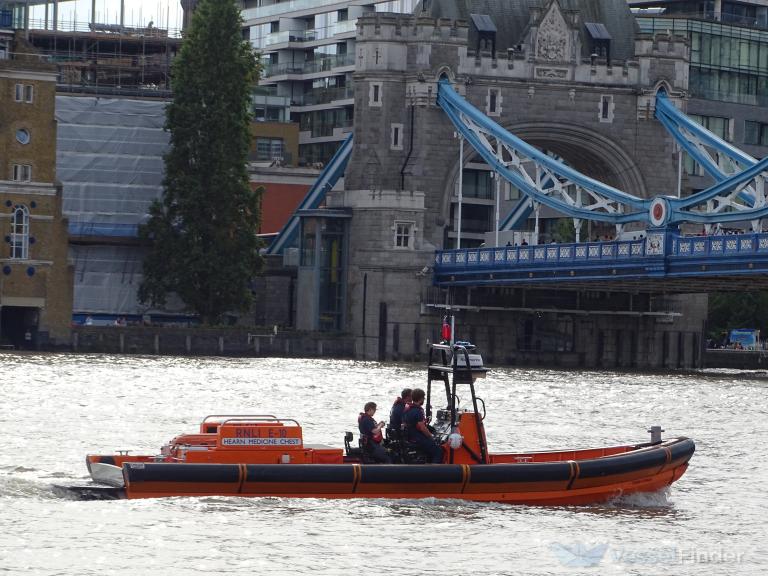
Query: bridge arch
x=585, y=150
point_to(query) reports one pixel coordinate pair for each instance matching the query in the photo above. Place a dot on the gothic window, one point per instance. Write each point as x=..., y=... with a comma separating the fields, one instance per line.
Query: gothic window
x=397, y=137
x=20, y=233
x=606, y=108
x=374, y=95
x=494, y=102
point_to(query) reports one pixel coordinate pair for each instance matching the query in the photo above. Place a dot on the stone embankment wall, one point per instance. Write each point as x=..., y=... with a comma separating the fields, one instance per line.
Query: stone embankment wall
x=736, y=359
x=208, y=342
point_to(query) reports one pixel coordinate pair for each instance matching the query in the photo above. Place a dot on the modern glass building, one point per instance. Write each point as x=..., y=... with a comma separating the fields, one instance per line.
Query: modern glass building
x=728, y=71
x=308, y=52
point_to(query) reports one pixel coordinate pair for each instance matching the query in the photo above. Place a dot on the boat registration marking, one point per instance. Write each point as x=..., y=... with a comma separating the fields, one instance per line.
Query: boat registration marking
x=261, y=441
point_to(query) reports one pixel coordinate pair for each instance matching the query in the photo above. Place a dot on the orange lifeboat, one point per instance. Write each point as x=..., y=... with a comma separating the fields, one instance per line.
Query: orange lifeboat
x=263, y=455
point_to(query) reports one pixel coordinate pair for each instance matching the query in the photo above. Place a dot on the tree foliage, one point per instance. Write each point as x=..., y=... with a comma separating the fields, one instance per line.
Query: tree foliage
x=203, y=232
x=563, y=231
x=728, y=310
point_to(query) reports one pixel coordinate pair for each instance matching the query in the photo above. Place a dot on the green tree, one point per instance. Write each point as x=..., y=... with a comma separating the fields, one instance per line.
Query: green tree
x=563, y=231
x=202, y=233
x=728, y=310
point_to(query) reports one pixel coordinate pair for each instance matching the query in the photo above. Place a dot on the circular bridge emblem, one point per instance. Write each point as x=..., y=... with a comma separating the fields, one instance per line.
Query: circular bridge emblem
x=659, y=211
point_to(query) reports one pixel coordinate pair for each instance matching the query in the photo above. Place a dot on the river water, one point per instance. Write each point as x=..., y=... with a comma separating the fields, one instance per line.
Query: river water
x=56, y=408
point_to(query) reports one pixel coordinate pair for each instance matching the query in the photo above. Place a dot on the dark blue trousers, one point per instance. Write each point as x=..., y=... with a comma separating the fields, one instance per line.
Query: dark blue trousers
x=434, y=451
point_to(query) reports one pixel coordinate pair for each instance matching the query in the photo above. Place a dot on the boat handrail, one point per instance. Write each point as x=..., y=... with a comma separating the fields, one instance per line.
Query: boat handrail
x=246, y=419
x=238, y=416
x=448, y=362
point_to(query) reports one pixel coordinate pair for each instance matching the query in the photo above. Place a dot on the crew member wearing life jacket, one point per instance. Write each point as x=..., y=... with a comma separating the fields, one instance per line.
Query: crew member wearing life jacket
x=395, y=428
x=370, y=434
x=416, y=426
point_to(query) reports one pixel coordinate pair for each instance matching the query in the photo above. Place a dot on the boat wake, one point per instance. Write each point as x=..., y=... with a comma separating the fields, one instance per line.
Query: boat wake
x=658, y=499
x=14, y=487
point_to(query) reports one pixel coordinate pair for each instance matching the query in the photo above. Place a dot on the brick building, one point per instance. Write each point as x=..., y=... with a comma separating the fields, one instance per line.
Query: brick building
x=35, y=278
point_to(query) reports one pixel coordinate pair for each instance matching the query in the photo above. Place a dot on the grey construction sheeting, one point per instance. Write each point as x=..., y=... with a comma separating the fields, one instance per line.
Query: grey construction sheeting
x=109, y=159
x=106, y=279
x=110, y=162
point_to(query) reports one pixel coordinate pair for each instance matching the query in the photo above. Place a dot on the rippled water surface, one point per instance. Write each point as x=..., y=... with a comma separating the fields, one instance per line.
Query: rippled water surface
x=56, y=408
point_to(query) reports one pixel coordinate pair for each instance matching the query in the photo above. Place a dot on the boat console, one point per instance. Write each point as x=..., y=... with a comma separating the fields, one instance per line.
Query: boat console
x=460, y=430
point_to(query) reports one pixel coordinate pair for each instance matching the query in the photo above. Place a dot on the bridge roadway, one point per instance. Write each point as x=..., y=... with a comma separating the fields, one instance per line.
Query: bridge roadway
x=661, y=262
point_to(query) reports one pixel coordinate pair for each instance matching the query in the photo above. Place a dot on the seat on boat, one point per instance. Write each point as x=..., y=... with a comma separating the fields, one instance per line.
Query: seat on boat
x=350, y=451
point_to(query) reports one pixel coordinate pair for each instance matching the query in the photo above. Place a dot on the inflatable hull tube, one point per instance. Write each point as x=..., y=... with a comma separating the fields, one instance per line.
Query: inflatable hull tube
x=569, y=482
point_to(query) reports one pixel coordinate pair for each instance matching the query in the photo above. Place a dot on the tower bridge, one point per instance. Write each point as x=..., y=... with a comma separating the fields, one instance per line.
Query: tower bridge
x=435, y=104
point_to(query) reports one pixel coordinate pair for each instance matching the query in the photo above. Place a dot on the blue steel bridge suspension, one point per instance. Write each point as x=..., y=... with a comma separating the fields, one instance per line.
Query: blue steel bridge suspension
x=737, y=195
x=720, y=160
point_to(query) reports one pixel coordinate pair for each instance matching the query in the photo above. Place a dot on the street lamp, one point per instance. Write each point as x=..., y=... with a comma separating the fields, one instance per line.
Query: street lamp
x=461, y=187
x=498, y=201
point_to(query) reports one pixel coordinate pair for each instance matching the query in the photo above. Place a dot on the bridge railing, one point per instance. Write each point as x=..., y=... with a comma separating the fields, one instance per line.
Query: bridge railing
x=718, y=246
x=540, y=255
x=597, y=253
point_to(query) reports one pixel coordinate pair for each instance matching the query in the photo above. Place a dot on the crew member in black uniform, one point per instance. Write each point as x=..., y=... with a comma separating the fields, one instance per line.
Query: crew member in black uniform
x=395, y=428
x=370, y=434
x=416, y=426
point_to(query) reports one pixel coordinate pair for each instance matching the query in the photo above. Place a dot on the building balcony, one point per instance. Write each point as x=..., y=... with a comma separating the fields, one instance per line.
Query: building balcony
x=284, y=7
x=310, y=67
x=323, y=96
x=325, y=130
x=311, y=35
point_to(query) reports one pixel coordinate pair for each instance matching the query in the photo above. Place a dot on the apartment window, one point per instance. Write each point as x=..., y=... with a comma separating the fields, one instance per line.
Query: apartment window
x=268, y=149
x=606, y=108
x=755, y=133
x=18, y=93
x=20, y=233
x=494, y=102
x=404, y=234
x=396, y=142
x=477, y=184
x=511, y=192
x=374, y=95
x=715, y=124
x=719, y=126
x=22, y=172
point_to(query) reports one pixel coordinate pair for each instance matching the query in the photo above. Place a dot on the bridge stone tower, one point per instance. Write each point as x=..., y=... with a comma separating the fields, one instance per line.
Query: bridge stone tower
x=544, y=78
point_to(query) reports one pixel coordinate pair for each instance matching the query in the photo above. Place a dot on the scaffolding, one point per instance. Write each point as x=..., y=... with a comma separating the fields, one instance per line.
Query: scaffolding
x=107, y=58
